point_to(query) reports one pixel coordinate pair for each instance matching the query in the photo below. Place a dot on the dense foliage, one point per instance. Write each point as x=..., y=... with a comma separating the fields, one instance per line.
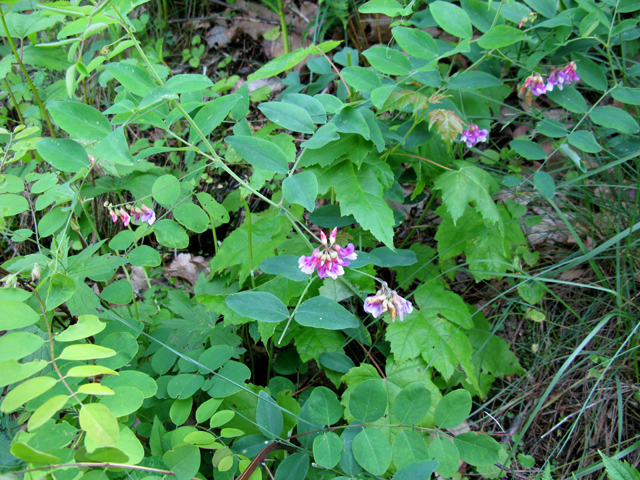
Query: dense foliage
x=325, y=341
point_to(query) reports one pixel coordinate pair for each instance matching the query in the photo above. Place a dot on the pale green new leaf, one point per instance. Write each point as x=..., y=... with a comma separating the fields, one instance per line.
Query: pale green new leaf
x=468, y=184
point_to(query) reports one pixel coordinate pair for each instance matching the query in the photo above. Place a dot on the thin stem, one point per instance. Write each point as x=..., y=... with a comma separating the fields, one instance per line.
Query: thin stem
x=283, y=27
x=13, y=100
x=28, y=78
x=248, y=210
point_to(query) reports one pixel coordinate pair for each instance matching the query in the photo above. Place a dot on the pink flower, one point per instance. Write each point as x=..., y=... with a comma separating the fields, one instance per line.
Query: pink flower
x=473, y=135
x=122, y=213
x=538, y=87
x=329, y=258
x=386, y=300
x=114, y=216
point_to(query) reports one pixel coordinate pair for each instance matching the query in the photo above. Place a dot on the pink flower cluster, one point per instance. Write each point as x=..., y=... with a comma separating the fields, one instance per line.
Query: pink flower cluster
x=557, y=78
x=329, y=258
x=474, y=135
x=386, y=300
x=144, y=213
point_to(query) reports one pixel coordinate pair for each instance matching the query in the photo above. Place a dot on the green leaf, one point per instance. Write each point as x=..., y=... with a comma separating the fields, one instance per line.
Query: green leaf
x=90, y=371
x=120, y=293
x=25, y=392
x=584, y=141
x=359, y=193
x=17, y=345
x=52, y=221
x=473, y=80
x=448, y=124
x=545, y=184
x=221, y=418
x=500, y=36
x=302, y=189
x=125, y=401
x=87, y=326
x=229, y=380
x=191, y=217
x=616, y=118
x=166, y=190
x=528, y=149
x=170, y=234
x=184, y=385
x=114, y=148
x=211, y=115
x=16, y=314
x=327, y=449
x=207, y=409
x=452, y=19
x=372, y=451
x=569, y=98
x=362, y=79
x=552, y=128
x=312, y=342
x=144, y=256
x=63, y=154
x=85, y=351
x=218, y=213
x=11, y=205
x=180, y=410
x=390, y=8
x=412, y=404
x=387, y=60
x=100, y=424
x=294, y=467
x=591, y=73
x=47, y=410
x=132, y=77
x=56, y=290
x=157, y=95
x=325, y=134
x=269, y=416
x=285, y=265
x=440, y=342
x=133, y=378
x=282, y=63
x=408, y=447
x=321, y=312
x=122, y=240
x=187, y=83
x=468, y=184
x=183, y=461
x=288, y=116
x=11, y=371
x=260, y=153
x=415, y=42
x=80, y=120
x=416, y=470
x=619, y=470
x=629, y=96
x=31, y=455
x=368, y=401
x=324, y=407
x=477, y=449
x=453, y=409
x=261, y=306
x=444, y=451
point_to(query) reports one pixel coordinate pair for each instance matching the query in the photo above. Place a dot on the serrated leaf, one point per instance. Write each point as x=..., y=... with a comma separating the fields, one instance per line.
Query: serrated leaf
x=359, y=193
x=468, y=184
x=448, y=123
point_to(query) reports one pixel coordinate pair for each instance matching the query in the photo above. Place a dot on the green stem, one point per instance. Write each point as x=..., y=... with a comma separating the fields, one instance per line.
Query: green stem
x=283, y=27
x=27, y=77
x=248, y=210
x=419, y=221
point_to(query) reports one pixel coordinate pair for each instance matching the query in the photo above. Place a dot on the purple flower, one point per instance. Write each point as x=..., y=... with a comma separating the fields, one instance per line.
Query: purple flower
x=538, y=87
x=386, y=300
x=329, y=258
x=569, y=73
x=148, y=215
x=474, y=135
